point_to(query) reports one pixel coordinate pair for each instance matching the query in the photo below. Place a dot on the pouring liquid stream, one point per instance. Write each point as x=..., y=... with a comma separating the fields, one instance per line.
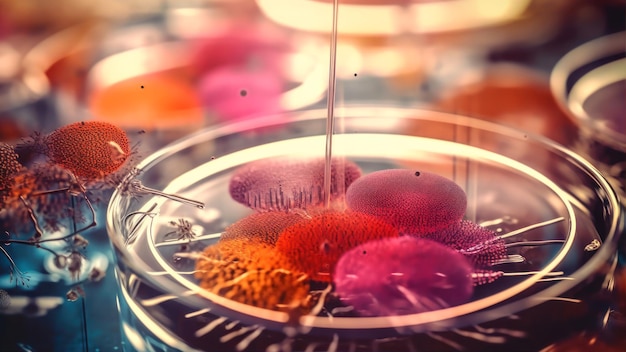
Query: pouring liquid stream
x=330, y=118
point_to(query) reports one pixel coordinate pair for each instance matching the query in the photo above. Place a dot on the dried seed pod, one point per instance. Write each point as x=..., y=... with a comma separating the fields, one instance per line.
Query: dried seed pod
x=9, y=165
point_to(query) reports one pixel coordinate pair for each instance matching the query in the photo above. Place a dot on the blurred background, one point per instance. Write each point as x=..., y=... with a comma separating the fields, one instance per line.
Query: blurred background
x=161, y=69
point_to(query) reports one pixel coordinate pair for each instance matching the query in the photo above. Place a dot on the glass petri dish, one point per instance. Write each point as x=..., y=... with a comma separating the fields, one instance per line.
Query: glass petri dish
x=513, y=180
x=589, y=83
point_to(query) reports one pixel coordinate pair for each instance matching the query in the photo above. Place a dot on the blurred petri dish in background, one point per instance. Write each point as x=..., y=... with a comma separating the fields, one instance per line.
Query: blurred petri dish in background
x=405, y=41
x=24, y=91
x=513, y=95
x=177, y=84
x=589, y=83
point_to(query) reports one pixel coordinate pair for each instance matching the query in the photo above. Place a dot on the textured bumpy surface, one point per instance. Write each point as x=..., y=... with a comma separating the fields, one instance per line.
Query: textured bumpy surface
x=289, y=183
x=480, y=245
x=90, y=150
x=417, y=203
x=260, y=227
x=403, y=275
x=9, y=165
x=253, y=274
x=315, y=245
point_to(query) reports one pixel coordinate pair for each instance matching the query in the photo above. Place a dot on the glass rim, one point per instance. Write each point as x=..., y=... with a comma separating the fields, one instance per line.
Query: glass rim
x=587, y=53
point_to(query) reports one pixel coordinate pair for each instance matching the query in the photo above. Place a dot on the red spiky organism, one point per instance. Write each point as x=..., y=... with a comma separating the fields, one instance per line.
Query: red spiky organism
x=315, y=245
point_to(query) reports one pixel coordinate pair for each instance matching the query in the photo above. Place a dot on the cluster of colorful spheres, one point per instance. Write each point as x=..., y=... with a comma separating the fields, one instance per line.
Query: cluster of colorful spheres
x=39, y=175
x=391, y=242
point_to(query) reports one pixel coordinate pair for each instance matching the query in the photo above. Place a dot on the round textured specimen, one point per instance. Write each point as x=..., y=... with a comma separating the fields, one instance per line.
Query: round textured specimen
x=91, y=150
x=260, y=227
x=253, y=274
x=403, y=275
x=417, y=203
x=480, y=245
x=289, y=183
x=9, y=165
x=314, y=246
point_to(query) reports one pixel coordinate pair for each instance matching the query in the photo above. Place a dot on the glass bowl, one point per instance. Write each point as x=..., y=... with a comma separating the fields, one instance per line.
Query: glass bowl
x=589, y=83
x=555, y=283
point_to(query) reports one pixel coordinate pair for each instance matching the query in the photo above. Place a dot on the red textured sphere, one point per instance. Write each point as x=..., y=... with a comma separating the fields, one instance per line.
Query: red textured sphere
x=91, y=150
x=315, y=245
x=416, y=203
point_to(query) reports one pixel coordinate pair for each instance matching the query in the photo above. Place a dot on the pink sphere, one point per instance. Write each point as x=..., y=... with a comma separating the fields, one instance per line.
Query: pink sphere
x=402, y=275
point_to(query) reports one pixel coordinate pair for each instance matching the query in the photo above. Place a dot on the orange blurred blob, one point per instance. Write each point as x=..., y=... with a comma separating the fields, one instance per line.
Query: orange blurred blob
x=515, y=96
x=148, y=102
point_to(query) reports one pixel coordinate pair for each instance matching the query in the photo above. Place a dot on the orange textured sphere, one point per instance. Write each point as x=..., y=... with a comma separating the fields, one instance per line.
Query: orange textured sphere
x=253, y=274
x=91, y=150
x=314, y=246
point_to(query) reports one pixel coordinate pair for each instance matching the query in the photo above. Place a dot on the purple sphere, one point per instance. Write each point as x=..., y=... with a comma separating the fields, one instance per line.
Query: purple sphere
x=289, y=183
x=403, y=275
x=480, y=245
x=416, y=203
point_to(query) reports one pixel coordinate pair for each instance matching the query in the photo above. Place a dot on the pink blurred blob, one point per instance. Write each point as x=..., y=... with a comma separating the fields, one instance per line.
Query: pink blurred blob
x=232, y=92
x=241, y=71
x=240, y=44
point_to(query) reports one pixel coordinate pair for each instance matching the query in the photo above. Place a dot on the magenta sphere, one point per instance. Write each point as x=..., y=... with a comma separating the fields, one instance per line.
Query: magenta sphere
x=402, y=275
